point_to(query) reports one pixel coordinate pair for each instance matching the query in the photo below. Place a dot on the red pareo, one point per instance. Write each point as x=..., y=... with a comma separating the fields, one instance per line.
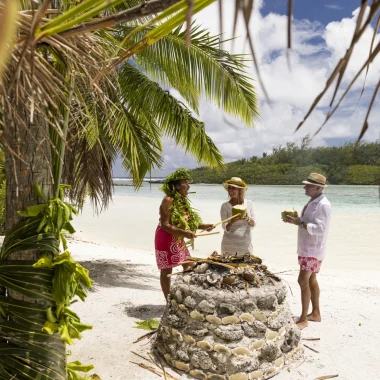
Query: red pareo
x=170, y=250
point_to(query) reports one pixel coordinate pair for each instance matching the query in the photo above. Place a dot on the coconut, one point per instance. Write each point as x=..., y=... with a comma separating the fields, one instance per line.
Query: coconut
x=293, y=213
x=240, y=210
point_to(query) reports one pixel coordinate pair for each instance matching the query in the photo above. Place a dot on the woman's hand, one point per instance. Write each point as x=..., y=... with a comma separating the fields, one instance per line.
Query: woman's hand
x=249, y=220
x=236, y=219
x=189, y=234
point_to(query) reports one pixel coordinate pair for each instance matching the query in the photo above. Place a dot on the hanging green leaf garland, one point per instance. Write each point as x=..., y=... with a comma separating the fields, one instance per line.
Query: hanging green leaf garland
x=181, y=205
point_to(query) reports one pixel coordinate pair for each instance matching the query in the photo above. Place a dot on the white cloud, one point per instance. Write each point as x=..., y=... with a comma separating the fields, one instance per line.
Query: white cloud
x=333, y=6
x=316, y=50
x=338, y=36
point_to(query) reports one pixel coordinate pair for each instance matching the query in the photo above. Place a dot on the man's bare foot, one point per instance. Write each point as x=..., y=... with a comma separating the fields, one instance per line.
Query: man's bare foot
x=314, y=317
x=302, y=324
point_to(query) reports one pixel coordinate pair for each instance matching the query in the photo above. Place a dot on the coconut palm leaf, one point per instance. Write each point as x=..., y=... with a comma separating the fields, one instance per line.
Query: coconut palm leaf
x=8, y=22
x=172, y=117
x=29, y=352
x=203, y=68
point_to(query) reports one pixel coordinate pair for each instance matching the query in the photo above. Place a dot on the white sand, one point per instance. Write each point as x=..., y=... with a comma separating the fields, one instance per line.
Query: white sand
x=127, y=286
x=127, y=290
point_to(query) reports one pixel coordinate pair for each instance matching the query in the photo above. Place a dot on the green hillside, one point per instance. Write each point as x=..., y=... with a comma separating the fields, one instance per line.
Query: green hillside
x=290, y=164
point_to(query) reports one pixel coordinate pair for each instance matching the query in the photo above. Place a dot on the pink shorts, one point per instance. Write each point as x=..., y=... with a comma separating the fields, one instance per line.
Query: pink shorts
x=309, y=263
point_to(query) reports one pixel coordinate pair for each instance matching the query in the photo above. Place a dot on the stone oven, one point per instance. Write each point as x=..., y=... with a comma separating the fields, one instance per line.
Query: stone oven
x=228, y=322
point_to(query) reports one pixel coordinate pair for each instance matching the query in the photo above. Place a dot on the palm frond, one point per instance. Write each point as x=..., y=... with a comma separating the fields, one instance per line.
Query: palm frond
x=138, y=142
x=8, y=22
x=173, y=118
x=204, y=69
x=88, y=169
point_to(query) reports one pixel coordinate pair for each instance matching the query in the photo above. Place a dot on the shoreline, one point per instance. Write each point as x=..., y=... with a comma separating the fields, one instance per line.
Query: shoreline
x=250, y=184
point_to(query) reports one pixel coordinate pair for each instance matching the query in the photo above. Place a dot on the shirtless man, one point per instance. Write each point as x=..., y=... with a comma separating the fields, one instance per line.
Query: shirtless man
x=312, y=236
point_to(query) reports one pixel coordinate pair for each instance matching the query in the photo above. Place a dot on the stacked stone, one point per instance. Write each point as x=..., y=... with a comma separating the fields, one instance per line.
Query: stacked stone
x=219, y=331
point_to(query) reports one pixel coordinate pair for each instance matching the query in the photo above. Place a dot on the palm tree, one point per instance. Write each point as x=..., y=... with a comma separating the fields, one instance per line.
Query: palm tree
x=77, y=94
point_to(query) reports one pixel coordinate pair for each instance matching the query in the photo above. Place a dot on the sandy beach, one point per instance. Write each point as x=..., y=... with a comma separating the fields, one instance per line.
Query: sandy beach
x=117, y=248
x=127, y=290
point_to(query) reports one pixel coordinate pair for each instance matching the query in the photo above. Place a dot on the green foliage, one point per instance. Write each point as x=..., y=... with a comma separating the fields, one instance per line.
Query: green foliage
x=36, y=332
x=70, y=280
x=2, y=205
x=180, y=173
x=181, y=206
x=291, y=164
x=55, y=214
x=364, y=175
x=74, y=367
x=2, y=189
x=149, y=325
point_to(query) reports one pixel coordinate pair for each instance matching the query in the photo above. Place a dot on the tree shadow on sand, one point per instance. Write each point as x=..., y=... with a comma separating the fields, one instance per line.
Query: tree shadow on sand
x=145, y=311
x=113, y=273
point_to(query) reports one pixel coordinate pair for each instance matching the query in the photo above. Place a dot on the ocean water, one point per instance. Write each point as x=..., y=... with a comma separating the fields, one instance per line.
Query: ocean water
x=354, y=236
x=340, y=196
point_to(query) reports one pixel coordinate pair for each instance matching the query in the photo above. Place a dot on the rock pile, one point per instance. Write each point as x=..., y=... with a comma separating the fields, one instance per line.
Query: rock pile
x=222, y=324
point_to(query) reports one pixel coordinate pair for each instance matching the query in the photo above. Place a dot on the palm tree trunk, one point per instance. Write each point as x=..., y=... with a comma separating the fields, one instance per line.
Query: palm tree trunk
x=33, y=164
x=29, y=163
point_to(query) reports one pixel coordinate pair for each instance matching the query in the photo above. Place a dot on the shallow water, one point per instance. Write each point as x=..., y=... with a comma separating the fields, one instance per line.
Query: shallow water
x=354, y=236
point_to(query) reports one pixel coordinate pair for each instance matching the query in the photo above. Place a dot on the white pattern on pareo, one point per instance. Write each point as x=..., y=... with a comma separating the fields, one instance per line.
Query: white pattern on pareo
x=239, y=238
x=178, y=254
x=162, y=258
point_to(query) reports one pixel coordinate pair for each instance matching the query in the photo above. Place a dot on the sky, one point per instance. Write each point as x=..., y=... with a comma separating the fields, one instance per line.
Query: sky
x=322, y=31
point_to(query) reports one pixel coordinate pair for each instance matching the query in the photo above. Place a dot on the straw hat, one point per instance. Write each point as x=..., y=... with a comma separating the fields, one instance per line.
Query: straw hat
x=235, y=182
x=316, y=180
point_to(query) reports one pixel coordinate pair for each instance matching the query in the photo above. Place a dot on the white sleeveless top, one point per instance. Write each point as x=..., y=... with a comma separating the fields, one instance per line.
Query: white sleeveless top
x=239, y=238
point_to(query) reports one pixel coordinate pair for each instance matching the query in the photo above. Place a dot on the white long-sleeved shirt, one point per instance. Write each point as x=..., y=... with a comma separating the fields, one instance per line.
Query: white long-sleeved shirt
x=312, y=240
x=239, y=238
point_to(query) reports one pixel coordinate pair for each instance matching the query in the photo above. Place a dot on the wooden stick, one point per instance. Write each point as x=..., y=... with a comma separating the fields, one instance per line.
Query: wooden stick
x=286, y=271
x=142, y=357
x=151, y=369
x=204, y=261
x=312, y=349
x=326, y=377
x=153, y=361
x=162, y=367
x=216, y=263
x=145, y=336
x=159, y=365
x=311, y=338
x=225, y=220
x=209, y=233
x=193, y=258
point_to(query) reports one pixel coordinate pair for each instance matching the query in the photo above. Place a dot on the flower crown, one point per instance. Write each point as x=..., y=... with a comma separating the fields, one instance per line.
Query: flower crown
x=181, y=173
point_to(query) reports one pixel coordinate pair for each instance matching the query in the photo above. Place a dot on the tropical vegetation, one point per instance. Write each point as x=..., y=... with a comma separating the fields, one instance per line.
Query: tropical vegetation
x=87, y=82
x=350, y=164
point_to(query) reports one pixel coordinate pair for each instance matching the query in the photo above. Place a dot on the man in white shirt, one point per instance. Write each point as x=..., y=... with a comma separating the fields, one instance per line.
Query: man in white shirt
x=312, y=236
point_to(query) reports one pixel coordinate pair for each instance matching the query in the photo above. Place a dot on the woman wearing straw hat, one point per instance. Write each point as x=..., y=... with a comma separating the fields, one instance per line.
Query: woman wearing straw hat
x=178, y=220
x=237, y=238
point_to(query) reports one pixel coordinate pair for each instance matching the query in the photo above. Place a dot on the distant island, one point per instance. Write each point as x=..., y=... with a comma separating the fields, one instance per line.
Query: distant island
x=349, y=164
